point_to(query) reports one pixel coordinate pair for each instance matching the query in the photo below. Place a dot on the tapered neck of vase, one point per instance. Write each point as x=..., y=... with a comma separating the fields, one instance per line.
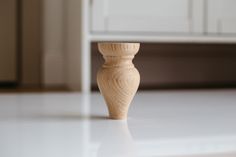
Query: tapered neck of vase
x=118, y=61
x=118, y=54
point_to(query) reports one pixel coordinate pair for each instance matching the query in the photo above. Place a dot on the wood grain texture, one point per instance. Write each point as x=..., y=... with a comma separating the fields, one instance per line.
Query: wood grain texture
x=118, y=79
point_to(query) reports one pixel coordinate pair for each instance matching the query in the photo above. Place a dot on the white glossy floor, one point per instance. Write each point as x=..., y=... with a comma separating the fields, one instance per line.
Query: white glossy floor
x=160, y=124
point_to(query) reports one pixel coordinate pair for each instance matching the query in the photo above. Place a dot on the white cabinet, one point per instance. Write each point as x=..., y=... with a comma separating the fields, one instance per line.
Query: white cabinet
x=222, y=16
x=162, y=16
x=168, y=21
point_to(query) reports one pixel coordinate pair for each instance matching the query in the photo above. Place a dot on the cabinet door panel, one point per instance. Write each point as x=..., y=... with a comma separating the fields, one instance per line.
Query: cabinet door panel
x=7, y=41
x=177, y=16
x=222, y=16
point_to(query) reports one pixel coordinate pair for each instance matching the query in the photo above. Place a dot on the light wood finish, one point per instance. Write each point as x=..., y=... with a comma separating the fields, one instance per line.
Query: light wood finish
x=118, y=79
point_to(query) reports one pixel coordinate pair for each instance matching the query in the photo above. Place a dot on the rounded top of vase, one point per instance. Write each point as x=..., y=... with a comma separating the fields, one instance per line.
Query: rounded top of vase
x=118, y=48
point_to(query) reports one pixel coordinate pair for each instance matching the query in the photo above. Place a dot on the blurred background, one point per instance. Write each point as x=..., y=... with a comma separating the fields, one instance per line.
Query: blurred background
x=51, y=44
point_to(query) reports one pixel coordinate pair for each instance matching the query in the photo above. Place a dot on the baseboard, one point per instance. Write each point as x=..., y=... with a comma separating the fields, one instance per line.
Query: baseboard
x=8, y=84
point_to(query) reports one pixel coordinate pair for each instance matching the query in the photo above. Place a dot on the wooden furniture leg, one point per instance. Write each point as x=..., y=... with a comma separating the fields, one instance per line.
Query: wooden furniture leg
x=118, y=79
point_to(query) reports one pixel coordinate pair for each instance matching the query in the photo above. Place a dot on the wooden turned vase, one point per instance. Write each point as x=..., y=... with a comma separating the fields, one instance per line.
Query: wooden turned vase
x=118, y=79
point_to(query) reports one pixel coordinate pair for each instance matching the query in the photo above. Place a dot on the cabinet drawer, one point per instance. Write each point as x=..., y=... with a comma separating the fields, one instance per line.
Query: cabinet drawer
x=222, y=16
x=163, y=16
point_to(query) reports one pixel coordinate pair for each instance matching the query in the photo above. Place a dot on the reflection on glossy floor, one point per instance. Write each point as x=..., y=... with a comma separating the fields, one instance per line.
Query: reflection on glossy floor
x=160, y=124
